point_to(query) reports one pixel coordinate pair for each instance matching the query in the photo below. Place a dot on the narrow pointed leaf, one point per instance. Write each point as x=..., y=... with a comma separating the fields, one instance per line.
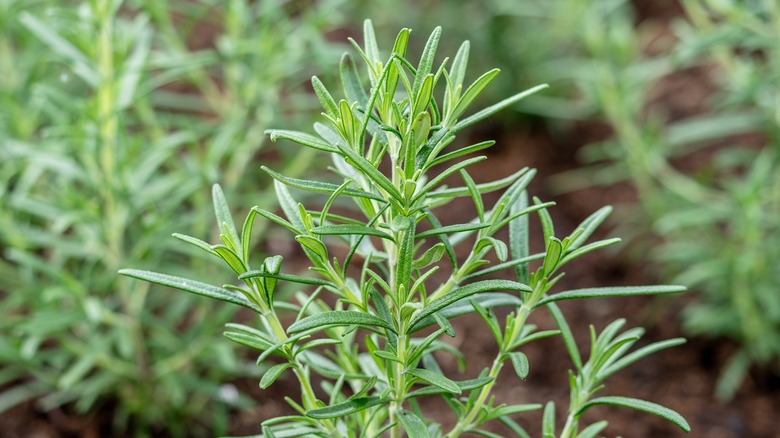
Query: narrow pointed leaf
x=619, y=291
x=191, y=286
x=348, y=407
x=519, y=363
x=284, y=277
x=566, y=334
x=351, y=229
x=499, y=184
x=224, y=218
x=426, y=61
x=326, y=99
x=412, y=424
x=452, y=229
x=195, y=241
x=640, y=405
x=319, y=187
x=435, y=379
x=464, y=292
x=489, y=111
x=593, y=430
x=339, y=318
x=472, y=92
x=301, y=138
x=463, y=151
x=465, y=385
x=273, y=373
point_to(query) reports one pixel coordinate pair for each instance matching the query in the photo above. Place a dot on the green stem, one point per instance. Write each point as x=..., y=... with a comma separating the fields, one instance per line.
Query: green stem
x=467, y=420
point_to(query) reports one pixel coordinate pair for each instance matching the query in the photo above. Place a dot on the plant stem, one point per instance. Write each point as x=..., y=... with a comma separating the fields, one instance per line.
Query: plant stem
x=466, y=421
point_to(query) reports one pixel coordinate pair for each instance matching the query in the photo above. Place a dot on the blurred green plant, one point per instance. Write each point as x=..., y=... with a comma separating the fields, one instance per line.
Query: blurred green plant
x=115, y=117
x=709, y=183
x=366, y=342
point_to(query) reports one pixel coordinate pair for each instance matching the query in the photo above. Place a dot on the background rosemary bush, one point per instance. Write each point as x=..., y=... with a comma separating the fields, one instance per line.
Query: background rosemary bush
x=718, y=218
x=113, y=124
x=359, y=327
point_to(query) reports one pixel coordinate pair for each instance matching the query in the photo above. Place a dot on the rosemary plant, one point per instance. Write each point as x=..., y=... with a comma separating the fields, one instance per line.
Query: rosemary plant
x=372, y=344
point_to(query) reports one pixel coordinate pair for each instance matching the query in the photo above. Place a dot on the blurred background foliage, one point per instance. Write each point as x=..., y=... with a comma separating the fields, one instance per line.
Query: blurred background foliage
x=117, y=116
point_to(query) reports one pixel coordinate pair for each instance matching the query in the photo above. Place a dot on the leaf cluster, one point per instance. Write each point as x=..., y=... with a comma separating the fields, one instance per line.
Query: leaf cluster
x=390, y=267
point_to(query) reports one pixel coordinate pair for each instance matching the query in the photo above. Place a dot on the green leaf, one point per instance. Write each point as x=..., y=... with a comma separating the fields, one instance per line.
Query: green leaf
x=639, y=405
x=588, y=226
x=593, y=430
x=465, y=292
x=514, y=409
x=566, y=334
x=435, y=224
x=484, y=187
x=548, y=229
x=460, y=63
x=346, y=408
x=386, y=355
x=370, y=171
x=406, y=254
x=301, y=138
x=518, y=236
x=435, y=379
x=486, y=299
x=249, y=340
x=638, y=354
x=619, y=291
x=62, y=47
x=442, y=176
x=489, y=111
x=476, y=196
x=230, y=257
x=191, y=286
x=278, y=220
x=20, y=393
x=319, y=187
x=426, y=62
x=588, y=248
x=474, y=90
x=432, y=255
x=519, y=363
x=326, y=99
x=548, y=420
x=195, y=241
x=500, y=247
x=314, y=246
x=246, y=235
x=273, y=373
x=317, y=343
x=553, y=256
x=351, y=229
x=350, y=80
x=412, y=424
x=452, y=229
x=462, y=151
x=339, y=318
x=224, y=218
x=284, y=277
x=424, y=97
x=466, y=385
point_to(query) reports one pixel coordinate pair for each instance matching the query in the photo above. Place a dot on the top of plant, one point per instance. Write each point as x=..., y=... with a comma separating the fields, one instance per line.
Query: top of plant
x=366, y=345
